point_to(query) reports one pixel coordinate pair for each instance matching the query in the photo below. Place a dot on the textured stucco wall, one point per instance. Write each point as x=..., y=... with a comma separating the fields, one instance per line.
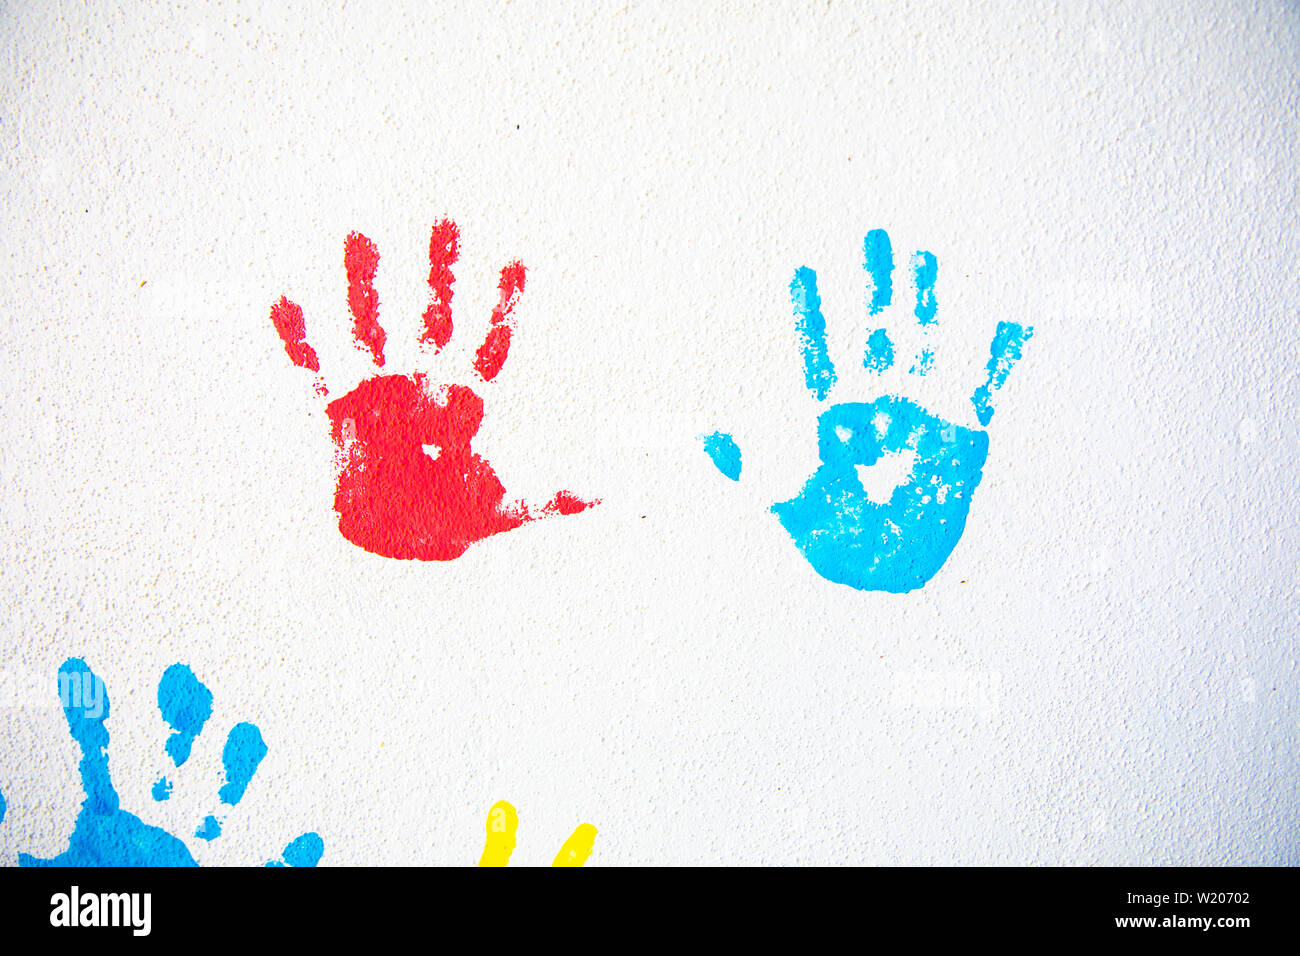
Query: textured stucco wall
x=1116, y=630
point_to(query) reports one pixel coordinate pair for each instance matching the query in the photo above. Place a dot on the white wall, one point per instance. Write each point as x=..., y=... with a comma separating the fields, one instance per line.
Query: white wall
x=666, y=666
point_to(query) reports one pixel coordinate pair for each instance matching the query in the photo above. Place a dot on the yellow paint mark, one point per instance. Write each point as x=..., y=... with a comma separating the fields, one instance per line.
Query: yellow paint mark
x=502, y=822
x=577, y=848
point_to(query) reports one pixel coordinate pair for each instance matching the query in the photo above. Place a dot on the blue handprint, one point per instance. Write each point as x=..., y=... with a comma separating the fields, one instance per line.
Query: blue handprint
x=107, y=835
x=899, y=544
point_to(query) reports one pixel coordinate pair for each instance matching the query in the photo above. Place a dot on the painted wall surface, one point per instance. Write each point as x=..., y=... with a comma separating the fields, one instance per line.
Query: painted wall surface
x=1098, y=666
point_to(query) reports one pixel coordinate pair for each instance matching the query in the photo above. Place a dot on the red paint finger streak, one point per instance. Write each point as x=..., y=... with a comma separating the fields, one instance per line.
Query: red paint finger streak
x=444, y=250
x=292, y=328
x=496, y=346
x=361, y=260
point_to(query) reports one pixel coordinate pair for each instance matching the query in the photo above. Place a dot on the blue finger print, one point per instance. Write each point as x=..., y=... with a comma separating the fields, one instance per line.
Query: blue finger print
x=1004, y=352
x=244, y=752
x=925, y=271
x=810, y=324
x=186, y=705
x=878, y=261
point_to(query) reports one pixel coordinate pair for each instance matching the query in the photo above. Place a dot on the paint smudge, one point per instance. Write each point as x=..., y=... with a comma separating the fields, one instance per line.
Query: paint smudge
x=409, y=485
x=499, y=845
x=3, y=807
x=724, y=451
x=847, y=529
x=104, y=833
x=1004, y=352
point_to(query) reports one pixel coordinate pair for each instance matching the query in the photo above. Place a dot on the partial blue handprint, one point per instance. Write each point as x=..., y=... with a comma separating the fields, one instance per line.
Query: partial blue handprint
x=847, y=536
x=107, y=835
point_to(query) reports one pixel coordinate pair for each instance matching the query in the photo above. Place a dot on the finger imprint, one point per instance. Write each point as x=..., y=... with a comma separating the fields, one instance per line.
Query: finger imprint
x=496, y=346
x=878, y=260
x=444, y=250
x=502, y=824
x=292, y=329
x=243, y=753
x=361, y=260
x=925, y=270
x=1004, y=351
x=818, y=369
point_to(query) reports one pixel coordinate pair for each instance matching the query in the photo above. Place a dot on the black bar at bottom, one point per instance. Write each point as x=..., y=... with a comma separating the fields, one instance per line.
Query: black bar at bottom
x=330, y=905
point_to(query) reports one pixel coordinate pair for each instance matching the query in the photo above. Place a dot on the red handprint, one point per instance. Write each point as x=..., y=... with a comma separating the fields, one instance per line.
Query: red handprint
x=396, y=497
